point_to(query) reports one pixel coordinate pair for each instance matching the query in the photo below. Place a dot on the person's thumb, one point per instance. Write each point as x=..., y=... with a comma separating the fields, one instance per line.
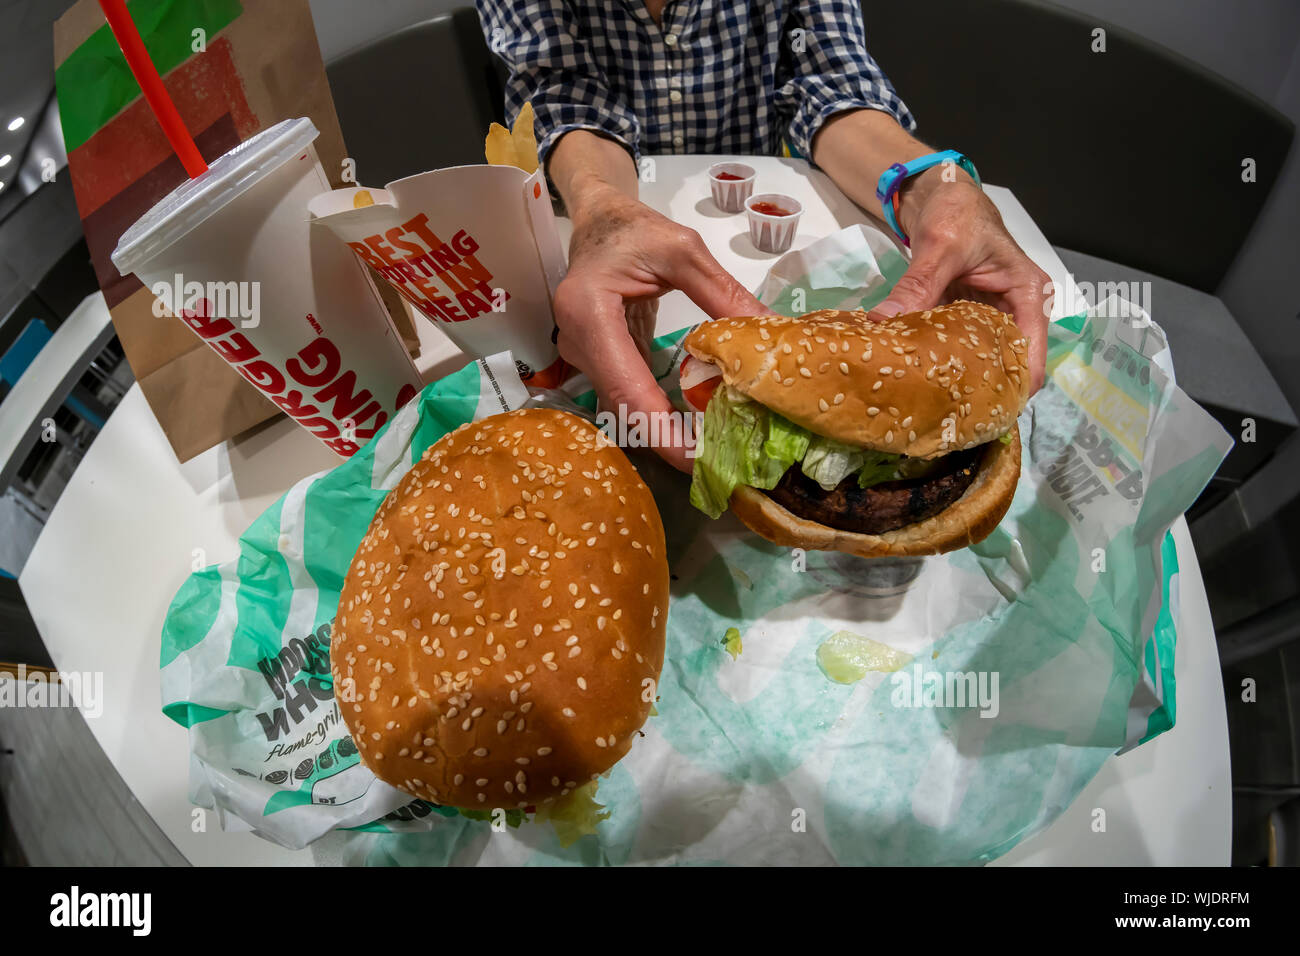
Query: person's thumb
x=922, y=286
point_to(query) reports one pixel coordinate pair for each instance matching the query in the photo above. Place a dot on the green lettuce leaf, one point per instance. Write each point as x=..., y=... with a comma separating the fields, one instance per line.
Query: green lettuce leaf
x=879, y=467
x=786, y=441
x=829, y=462
x=742, y=442
x=730, y=450
x=575, y=815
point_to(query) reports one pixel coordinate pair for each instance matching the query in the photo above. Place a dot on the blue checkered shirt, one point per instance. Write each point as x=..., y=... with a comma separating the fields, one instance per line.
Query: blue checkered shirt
x=715, y=77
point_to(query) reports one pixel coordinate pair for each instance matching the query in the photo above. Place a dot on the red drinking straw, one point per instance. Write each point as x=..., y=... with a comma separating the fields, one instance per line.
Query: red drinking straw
x=146, y=74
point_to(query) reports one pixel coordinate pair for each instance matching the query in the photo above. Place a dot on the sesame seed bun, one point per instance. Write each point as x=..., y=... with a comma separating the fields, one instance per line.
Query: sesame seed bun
x=921, y=384
x=970, y=519
x=500, y=632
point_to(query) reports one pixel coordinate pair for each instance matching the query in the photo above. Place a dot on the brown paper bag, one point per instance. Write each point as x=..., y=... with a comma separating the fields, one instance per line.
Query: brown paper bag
x=233, y=67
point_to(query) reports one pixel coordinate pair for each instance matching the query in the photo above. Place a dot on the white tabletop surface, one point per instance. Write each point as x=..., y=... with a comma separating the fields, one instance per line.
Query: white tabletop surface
x=124, y=535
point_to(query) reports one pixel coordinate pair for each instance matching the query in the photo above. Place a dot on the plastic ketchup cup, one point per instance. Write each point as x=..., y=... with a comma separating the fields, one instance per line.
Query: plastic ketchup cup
x=773, y=220
x=731, y=184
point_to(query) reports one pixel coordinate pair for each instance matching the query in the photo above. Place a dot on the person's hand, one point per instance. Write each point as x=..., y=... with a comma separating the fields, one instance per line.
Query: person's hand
x=961, y=250
x=622, y=257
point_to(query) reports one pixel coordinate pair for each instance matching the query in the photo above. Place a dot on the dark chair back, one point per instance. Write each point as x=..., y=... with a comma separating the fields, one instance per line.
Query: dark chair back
x=20, y=642
x=440, y=89
x=1134, y=155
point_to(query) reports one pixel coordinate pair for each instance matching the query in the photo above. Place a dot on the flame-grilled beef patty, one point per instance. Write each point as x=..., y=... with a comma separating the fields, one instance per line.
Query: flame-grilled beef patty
x=880, y=508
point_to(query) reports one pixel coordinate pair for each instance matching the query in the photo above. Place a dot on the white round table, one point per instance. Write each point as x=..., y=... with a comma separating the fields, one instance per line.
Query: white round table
x=133, y=521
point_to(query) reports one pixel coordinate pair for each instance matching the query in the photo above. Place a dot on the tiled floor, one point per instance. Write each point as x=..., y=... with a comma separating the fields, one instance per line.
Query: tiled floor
x=65, y=804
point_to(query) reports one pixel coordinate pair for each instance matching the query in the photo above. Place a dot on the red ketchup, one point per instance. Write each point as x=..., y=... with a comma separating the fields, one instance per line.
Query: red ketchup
x=728, y=177
x=770, y=209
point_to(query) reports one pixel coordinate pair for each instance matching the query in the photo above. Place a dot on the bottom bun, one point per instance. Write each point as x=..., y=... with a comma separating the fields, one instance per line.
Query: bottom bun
x=971, y=518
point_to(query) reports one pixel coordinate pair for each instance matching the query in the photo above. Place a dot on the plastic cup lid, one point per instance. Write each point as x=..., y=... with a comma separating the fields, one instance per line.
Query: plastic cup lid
x=193, y=201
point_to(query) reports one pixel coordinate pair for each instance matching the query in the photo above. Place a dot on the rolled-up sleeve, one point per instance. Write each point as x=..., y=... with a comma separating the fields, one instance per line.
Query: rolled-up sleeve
x=551, y=66
x=832, y=72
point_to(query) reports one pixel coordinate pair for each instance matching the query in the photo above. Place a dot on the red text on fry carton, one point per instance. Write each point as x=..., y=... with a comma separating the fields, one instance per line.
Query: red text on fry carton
x=444, y=280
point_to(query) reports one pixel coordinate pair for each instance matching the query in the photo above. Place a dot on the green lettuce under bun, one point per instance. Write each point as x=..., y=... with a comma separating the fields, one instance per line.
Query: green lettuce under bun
x=732, y=450
x=745, y=443
x=829, y=462
x=879, y=466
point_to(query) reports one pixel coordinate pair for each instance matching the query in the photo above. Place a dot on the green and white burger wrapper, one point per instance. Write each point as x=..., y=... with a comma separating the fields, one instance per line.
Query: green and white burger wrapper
x=1069, y=607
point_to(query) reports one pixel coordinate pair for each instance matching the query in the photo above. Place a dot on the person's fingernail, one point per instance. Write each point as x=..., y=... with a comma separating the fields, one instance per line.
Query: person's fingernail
x=889, y=307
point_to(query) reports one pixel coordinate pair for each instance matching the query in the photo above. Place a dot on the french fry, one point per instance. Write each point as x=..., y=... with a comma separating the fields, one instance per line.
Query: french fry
x=525, y=139
x=499, y=146
x=513, y=147
x=362, y=198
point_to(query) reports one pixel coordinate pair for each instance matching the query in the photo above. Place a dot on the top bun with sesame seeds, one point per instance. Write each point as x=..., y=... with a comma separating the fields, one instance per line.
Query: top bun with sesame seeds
x=500, y=632
x=893, y=385
x=918, y=412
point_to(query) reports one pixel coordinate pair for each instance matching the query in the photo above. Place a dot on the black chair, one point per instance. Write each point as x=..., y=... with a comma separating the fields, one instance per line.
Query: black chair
x=441, y=88
x=1128, y=155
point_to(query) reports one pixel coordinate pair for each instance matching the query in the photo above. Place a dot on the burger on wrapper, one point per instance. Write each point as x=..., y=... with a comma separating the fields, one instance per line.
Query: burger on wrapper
x=500, y=632
x=836, y=432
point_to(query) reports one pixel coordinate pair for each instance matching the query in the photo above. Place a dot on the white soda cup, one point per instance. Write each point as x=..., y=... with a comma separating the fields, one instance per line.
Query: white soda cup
x=233, y=255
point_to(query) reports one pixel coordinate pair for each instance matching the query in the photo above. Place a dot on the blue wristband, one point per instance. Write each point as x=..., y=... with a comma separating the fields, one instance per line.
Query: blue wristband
x=892, y=179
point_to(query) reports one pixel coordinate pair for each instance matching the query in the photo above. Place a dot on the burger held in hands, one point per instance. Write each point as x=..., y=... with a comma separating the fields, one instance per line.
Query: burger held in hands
x=501, y=629
x=836, y=431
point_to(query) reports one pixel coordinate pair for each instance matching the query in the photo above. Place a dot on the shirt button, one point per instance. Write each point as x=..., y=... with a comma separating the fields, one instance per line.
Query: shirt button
x=675, y=96
x=671, y=39
x=679, y=140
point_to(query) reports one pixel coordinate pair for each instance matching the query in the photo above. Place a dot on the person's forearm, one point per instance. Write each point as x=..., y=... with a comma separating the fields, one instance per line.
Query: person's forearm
x=855, y=148
x=584, y=165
